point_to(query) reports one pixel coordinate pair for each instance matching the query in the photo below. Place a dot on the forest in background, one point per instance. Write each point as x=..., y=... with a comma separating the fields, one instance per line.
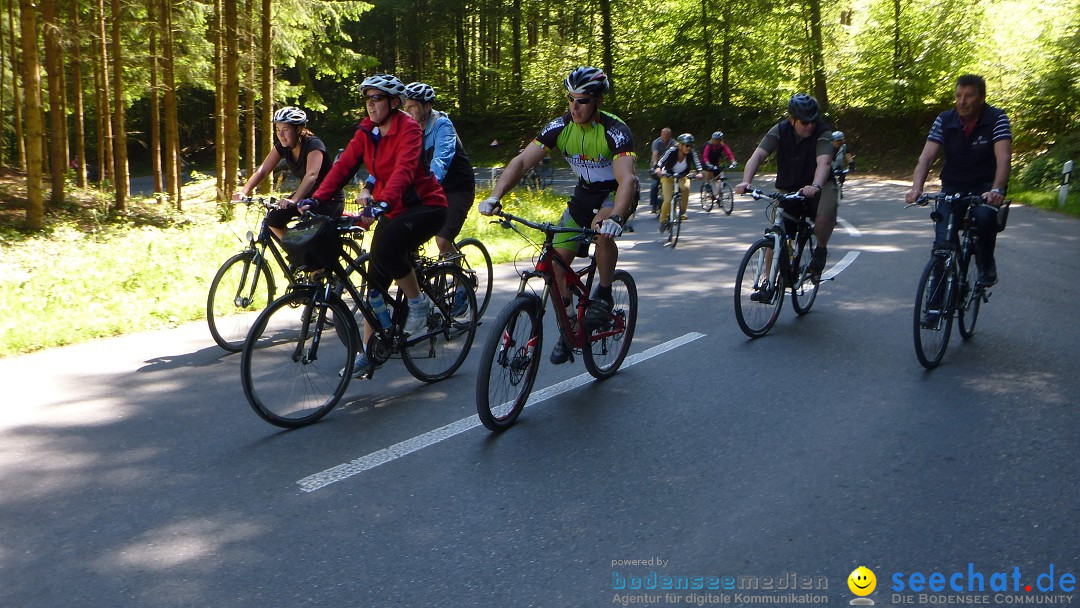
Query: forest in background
x=91, y=89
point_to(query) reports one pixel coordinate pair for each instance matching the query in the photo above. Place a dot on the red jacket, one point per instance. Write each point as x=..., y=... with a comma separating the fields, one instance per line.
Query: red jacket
x=401, y=180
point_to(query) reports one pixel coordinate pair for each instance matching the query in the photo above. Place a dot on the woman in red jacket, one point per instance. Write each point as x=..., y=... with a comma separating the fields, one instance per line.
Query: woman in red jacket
x=409, y=201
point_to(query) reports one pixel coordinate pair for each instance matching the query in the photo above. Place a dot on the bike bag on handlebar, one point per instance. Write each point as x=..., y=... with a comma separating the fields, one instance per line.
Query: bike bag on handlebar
x=313, y=242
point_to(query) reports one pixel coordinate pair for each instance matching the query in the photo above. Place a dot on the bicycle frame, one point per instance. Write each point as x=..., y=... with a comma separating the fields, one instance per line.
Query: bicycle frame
x=967, y=237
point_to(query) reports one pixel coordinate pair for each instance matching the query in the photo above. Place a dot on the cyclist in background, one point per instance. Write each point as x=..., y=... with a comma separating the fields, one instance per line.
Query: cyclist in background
x=307, y=159
x=804, y=154
x=445, y=155
x=600, y=149
x=977, y=142
x=658, y=147
x=406, y=196
x=675, y=164
x=711, y=154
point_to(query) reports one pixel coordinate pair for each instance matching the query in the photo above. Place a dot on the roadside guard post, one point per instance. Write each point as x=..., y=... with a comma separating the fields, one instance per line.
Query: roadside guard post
x=1063, y=189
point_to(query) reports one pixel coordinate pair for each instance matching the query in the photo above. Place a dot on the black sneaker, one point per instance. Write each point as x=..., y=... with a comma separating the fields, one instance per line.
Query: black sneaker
x=561, y=353
x=764, y=294
x=598, y=315
x=988, y=275
x=817, y=261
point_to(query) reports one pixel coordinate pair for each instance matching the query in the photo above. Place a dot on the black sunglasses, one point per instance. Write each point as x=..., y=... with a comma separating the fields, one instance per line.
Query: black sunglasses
x=376, y=98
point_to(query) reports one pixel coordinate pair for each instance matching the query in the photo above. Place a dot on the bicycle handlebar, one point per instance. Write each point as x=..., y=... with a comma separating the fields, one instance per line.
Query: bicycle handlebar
x=545, y=227
x=776, y=196
x=940, y=197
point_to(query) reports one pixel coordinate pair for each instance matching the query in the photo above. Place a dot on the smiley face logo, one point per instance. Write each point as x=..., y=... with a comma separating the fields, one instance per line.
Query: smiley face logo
x=862, y=581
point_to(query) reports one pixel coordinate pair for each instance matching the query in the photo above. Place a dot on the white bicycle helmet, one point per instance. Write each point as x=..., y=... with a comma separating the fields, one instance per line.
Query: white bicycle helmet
x=718, y=135
x=838, y=135
x=291, y=115
x=387, y=83
x=587, y=81
x=420, y=92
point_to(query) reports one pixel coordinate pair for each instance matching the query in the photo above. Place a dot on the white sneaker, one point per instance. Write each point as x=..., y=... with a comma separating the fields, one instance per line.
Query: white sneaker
x=416, y=323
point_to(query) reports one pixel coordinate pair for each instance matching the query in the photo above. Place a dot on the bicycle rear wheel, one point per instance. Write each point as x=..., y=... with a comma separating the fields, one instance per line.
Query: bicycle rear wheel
x=439, y=352
x=295, y=366
x=509, y=363
x=608, y=344
x=706, y=197
x=967, y=310
x=933, y=313
x=727, y=198
x=241, y=289
x=476, y=262
x=804, y=292
x=759, y=290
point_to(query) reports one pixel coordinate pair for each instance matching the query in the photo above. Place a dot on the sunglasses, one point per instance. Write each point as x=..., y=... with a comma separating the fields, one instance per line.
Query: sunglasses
x=581, y=101
x=375, y=98
x=804, y=123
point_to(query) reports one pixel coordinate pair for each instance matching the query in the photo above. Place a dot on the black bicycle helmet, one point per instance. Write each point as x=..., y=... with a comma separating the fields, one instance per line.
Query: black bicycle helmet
x=804, y=107
x=291, y=115
x=685, y=138
x=420, y=92
x=587, y=81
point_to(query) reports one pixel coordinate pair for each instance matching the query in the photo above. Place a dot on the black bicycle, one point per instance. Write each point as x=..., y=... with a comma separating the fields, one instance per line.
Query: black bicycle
x=709, y=198
x=298, y=357
x=246, y=284
x=671, y=225
x=949, y=286
x=777, y=262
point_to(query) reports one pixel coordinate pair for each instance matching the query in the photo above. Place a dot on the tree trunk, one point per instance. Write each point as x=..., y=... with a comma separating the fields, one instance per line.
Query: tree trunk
x=3, y=77
x=707, y=47
x=267, y=88
x=105, y=107
x=463, y=59
x=53, y=68
x=725, y=55
x=172, y=138
x=515, y=60
x=816, y=57
x=80, y=113
x=122, y=184
x=607, y=42
x=249, y=90
x=35, y=204
x=20, y=135
x=232, y=98
x=155, y=98
x=219, y=100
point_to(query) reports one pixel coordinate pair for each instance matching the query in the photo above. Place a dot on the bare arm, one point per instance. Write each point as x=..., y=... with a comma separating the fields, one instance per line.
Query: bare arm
x=1003, y=164
x=750, y=170
x=922, y=170
x=527, y=159
x=821, y=174
x=265, y=169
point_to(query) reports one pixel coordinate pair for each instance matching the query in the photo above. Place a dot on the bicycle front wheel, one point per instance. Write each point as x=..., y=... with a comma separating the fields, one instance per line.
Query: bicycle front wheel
x=967, y=311
x=241, y=289
x=933, y=312
x=759, y=290
x=805, y=289
x=509, y=364
x=727, y=199
x=705, y=196
x=476, y=262
x=675, y=217
x=295, y=365
x=440, y=351
x=609, y=343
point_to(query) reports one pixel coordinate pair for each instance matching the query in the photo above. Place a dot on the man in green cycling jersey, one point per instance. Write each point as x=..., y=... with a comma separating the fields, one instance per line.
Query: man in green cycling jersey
x=600, y=149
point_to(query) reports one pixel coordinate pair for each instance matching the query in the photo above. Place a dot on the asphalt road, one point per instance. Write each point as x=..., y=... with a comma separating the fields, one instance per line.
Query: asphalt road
x=133, y=473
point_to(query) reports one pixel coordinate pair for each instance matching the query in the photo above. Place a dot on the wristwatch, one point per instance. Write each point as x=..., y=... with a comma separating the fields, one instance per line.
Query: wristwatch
x=1000, y=191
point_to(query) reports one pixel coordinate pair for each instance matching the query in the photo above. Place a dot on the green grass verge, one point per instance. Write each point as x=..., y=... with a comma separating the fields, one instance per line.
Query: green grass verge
x=82, y=280
x=1048, y=200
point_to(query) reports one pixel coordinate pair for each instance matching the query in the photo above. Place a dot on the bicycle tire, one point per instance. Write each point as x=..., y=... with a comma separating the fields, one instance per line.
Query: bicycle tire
x=604, y=354
x=234, y=299
x=675, y=219
x=756, y=318
x=509, y=363
x=705, y=197
x=970, y=298
x=451, y=325
x=283, y=384
x=727, y=198
x=477, y=265
x=932, y=340
x=804, y=289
